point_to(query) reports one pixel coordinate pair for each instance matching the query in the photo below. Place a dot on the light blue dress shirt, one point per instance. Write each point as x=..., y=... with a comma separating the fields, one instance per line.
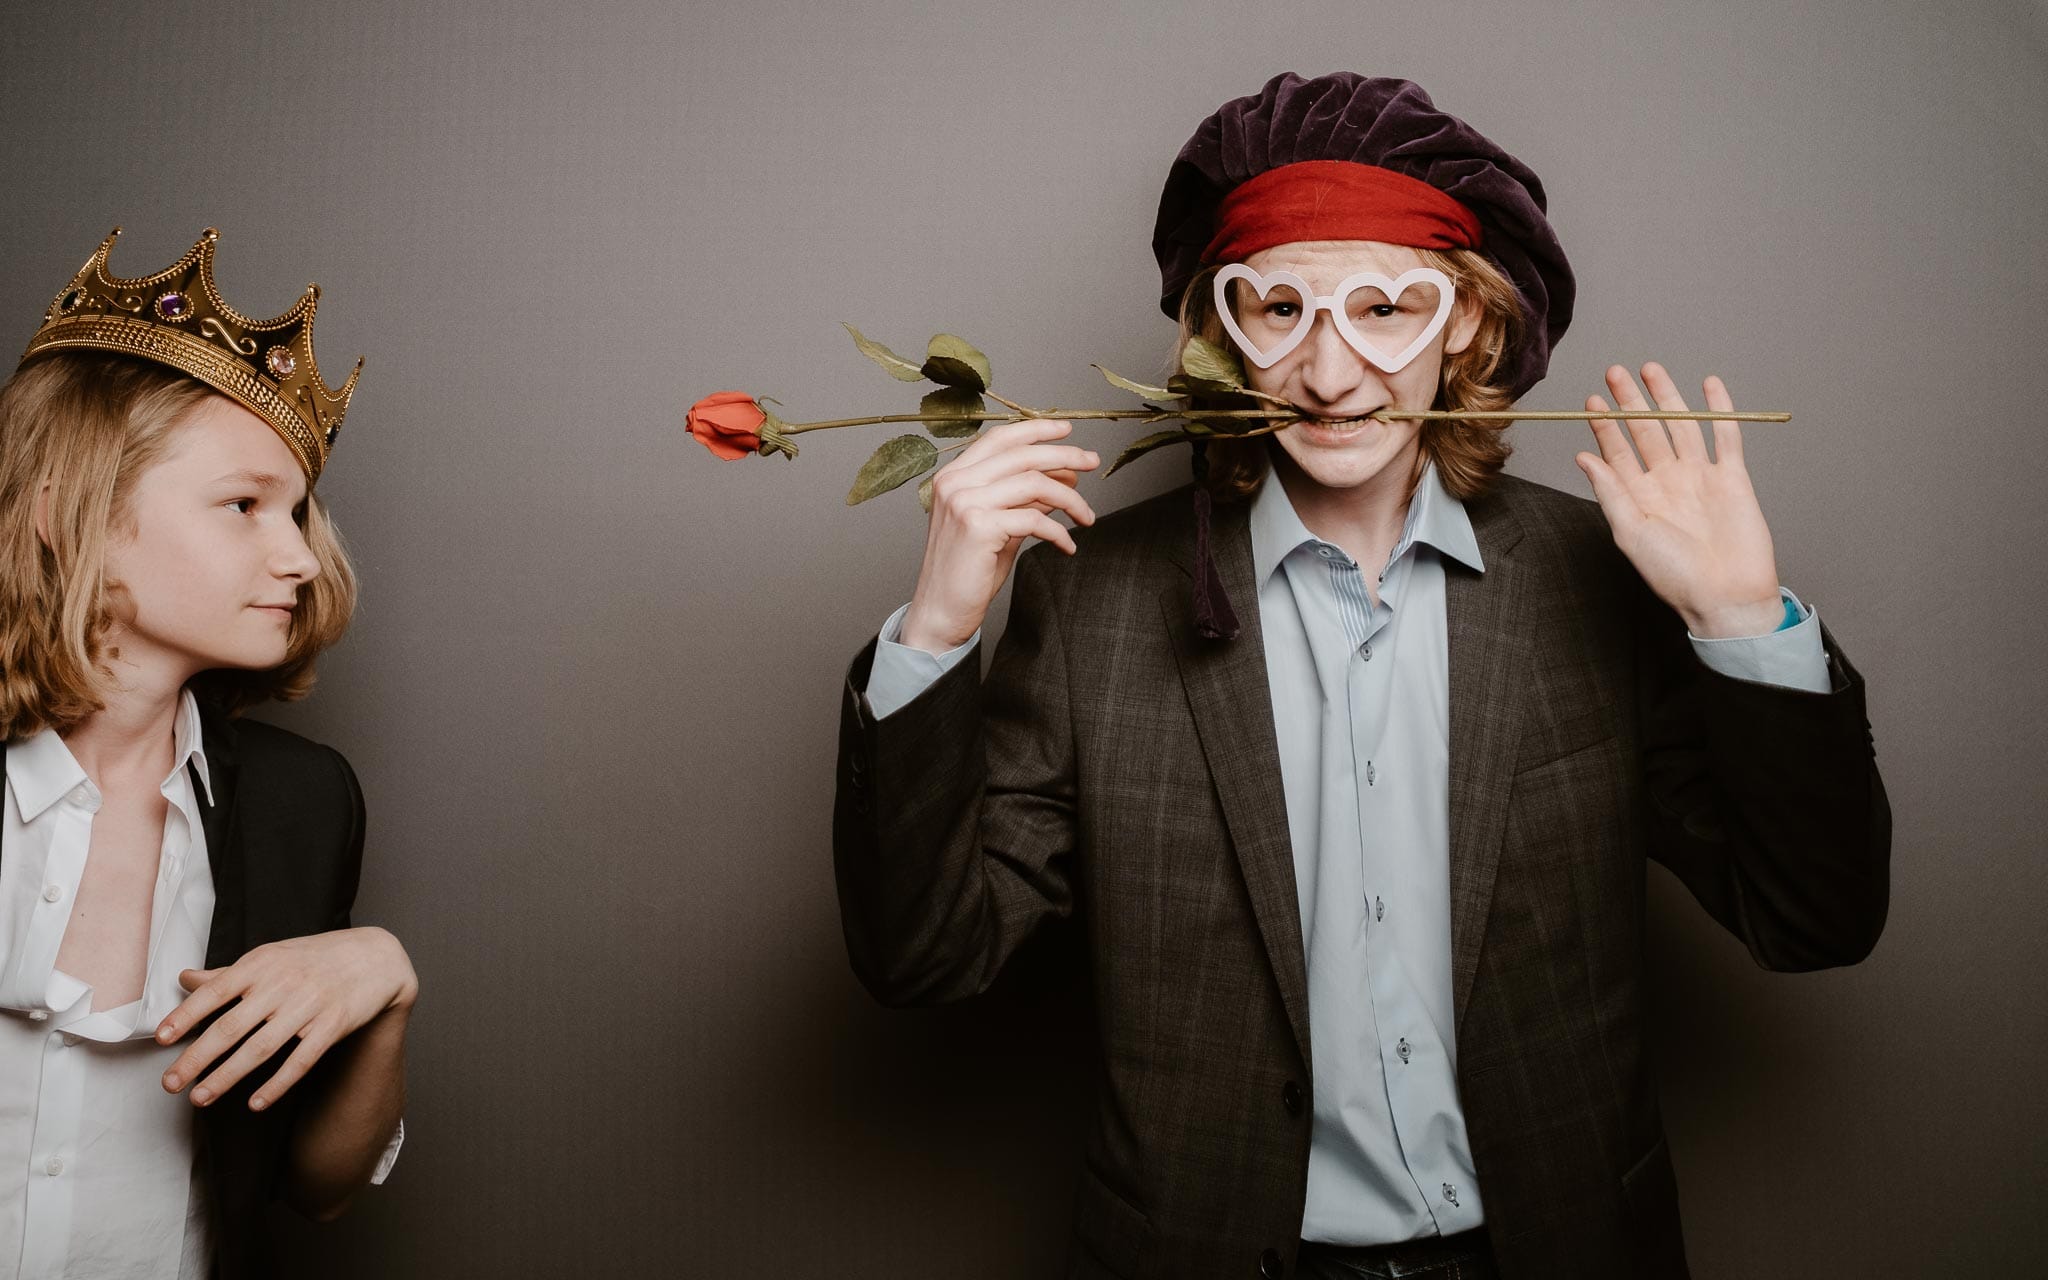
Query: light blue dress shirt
x=1361, y=712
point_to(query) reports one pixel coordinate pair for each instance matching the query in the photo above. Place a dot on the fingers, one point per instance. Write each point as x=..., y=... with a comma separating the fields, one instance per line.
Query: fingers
x=226, y=1031
x=210, y=988
x=1727, y=431
x=1648, y=433
x=1609, y=491
x=1036, y=490
x=1614, y=448
x=312, y=1047
x=253, y=1053
x=1027, y=522
x=1032, y=476
x=1027, y=457
x=1009, y=435
x=1687, y=440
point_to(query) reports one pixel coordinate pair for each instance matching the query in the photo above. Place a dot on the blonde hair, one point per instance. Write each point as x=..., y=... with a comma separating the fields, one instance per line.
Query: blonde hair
x=77, y=430
x=1467, y=454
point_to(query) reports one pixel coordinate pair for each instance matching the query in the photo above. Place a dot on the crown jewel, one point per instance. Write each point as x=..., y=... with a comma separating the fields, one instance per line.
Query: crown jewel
x=177, y=318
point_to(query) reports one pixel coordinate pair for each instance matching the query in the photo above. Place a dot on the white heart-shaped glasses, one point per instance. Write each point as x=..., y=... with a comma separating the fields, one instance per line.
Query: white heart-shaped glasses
x=1407, y=330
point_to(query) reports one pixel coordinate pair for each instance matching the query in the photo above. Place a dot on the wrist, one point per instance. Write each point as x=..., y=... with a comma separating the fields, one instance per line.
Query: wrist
x=1734, y=621
x=406, y=981
x=918, y=632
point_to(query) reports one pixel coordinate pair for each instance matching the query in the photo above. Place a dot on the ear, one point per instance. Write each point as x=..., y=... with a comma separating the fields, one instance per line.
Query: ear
x=1464, y=325
x=43, y=514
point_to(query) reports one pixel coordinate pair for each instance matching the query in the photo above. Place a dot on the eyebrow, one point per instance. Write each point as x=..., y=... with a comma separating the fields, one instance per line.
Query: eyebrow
x=266, y=481
x=255, y=479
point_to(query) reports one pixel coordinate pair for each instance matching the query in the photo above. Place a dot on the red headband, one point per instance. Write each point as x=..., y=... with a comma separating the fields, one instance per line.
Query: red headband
x=1337, y=200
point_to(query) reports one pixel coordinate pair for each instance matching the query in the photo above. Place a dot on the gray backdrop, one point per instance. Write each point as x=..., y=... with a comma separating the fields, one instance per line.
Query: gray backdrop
x=593, y=687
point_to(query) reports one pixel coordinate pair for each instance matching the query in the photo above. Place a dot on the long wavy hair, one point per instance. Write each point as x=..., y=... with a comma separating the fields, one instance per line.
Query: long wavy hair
x=1467, y=454
x=77, y=430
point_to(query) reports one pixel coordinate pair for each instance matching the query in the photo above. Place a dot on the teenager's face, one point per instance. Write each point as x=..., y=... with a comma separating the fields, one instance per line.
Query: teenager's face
x=1330, y=380
x=207, y=567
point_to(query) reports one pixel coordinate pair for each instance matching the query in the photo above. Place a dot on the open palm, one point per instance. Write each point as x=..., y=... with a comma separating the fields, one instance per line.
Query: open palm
x=1687, y=521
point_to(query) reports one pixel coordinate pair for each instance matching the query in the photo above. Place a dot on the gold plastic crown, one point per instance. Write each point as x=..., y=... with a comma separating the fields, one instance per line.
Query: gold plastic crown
x=177, y=318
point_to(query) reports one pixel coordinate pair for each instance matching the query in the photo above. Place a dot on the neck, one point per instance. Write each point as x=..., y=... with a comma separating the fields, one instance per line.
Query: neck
x=135, y=731
x=1364, y=519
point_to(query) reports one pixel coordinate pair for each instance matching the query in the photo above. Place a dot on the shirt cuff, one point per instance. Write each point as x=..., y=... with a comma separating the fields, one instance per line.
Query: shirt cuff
x=900, y=672
x=1791, y=657
x=390, y=1156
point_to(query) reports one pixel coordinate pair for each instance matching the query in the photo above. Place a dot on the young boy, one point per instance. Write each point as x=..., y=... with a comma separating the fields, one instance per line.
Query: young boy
x=1353, y=790
x=175, y=883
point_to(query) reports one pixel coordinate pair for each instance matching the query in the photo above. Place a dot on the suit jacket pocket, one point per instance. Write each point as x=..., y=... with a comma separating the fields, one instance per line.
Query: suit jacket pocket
x=1111, y=1236
x=1650, y=1191
x=1545, y=742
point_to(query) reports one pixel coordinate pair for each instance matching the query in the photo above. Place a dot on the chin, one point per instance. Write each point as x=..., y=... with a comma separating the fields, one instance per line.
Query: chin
x=1344, y=458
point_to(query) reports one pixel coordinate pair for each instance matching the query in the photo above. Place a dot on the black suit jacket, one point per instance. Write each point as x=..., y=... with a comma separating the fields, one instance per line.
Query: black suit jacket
x=1116, y=766
x=284, y=840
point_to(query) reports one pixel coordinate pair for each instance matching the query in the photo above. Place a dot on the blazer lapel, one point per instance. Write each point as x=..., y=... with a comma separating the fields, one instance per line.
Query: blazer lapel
x=1227, y=691
x=1482, y=616
x=224, y=943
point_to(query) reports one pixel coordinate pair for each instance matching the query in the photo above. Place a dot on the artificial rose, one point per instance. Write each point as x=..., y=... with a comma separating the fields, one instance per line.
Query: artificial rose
x=728, y=423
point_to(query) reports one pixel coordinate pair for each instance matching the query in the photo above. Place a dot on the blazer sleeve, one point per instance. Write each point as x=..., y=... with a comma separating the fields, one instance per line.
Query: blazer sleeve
x=954, y=822
x=1765, y=800
x=349, y=863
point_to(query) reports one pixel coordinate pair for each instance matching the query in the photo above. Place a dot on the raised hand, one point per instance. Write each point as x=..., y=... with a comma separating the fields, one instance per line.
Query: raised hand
x=321, y=989
x=1690, y=524
x=1001, y=490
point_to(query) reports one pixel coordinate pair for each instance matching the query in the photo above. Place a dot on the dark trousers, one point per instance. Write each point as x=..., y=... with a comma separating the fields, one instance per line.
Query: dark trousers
x=1465, y=1256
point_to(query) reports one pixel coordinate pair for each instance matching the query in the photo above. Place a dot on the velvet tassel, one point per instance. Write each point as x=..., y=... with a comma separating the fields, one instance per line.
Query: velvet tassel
x=1214, y=618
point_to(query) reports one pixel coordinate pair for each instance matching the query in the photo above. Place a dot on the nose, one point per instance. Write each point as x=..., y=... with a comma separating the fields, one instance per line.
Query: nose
x=292, y=559
x=1330, y=370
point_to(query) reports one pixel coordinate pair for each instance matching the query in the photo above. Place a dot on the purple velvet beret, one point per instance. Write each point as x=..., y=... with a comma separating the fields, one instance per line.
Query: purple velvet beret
x=1377, y=121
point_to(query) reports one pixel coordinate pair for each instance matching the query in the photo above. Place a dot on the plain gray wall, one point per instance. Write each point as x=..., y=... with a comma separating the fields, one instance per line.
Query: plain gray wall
x=593, y=689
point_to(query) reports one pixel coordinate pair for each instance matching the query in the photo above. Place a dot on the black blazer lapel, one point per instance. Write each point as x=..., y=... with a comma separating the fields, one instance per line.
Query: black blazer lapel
x=1232, y=704
x=224, y=857
x=1487, y=643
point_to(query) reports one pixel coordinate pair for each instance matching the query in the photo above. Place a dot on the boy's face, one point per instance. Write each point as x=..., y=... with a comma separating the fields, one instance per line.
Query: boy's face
x=206, y=569
x=1330, y=380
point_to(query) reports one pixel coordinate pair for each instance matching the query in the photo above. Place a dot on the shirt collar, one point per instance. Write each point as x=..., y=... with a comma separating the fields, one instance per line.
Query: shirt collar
x=188, y=736
x=1435, y=518
x=42, y=770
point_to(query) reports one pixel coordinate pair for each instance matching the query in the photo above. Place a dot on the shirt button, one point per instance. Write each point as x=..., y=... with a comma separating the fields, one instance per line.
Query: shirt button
x=1402, y=1049
x=1291, y=1098
x=1379, y=910
x=1270, y=1266
x=52, y=893
x=55, y=1166
x=1451, y=1194
x=1366, y=649
x=58, y=1039
x=38, y=1015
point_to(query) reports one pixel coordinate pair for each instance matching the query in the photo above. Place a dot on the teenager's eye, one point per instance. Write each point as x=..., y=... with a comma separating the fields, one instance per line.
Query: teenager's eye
x=242, y=506
x=1382, y=311
x=1283, y=310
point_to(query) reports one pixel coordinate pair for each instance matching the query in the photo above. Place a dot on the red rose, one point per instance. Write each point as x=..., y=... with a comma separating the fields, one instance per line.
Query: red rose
x=728, y=423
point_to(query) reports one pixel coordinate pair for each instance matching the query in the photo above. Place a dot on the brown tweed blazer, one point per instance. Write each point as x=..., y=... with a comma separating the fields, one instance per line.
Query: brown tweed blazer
x=1116, y=766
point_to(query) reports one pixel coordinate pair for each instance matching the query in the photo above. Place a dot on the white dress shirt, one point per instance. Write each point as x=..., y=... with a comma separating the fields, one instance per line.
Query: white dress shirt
x=99, y=1174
